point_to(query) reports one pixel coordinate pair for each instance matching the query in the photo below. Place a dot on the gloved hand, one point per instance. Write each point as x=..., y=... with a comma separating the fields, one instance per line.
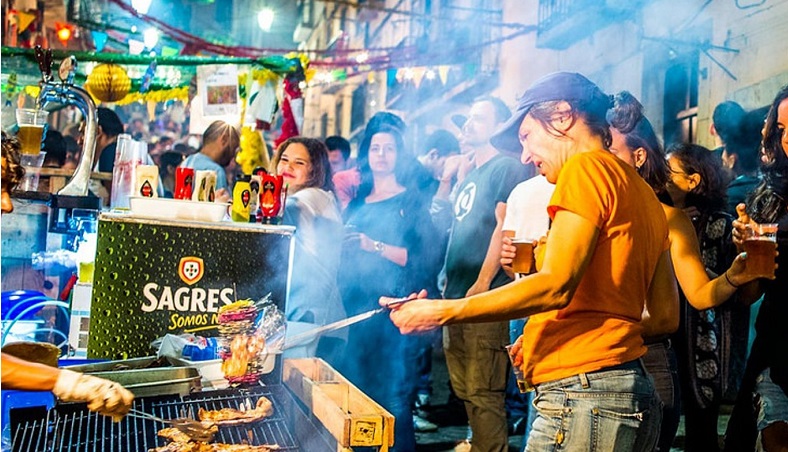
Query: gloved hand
x=103, y=396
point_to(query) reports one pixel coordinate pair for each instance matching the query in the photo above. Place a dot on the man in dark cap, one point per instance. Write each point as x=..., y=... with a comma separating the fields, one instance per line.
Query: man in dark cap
x=475, y=353
x=605, y=255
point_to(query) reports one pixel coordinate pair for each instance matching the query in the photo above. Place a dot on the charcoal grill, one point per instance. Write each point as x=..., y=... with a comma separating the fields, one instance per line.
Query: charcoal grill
x=71, y=427
x=315, y=409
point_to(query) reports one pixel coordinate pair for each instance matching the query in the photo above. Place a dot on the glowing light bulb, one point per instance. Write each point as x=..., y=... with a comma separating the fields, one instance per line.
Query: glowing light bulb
x=150, y=37
x=265, y=18
x=141, y=6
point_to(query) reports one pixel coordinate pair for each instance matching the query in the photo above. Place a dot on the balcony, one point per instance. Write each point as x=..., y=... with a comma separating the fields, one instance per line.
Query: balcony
x=563, y=23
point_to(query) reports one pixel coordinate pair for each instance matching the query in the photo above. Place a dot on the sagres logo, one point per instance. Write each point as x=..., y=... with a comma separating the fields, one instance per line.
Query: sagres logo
x=191, y=269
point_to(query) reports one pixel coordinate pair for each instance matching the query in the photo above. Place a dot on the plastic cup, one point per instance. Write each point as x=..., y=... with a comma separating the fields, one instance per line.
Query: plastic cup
x=760, y=243
x=32, y=164
x=31, y=124
x=518, y=371
x=523, y=262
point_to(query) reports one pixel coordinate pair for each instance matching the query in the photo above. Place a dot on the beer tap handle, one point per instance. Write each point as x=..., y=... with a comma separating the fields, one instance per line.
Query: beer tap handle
x=48, y=59
x=67, y=69
x=44, y=59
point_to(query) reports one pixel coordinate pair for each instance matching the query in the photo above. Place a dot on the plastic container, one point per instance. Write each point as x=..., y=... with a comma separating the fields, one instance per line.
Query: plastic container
x=177, y=209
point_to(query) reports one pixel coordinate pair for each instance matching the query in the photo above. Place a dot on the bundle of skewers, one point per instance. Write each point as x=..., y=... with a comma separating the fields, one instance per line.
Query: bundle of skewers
x=241, y=350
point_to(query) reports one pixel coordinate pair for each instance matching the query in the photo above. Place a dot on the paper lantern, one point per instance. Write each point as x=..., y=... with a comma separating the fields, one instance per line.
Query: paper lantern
x=108, y=83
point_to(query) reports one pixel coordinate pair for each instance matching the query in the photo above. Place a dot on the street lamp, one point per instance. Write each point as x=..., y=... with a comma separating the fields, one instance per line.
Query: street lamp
x=265, y=18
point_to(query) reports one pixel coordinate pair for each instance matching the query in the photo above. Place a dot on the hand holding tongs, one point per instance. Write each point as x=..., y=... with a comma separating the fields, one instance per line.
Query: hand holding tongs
x=310, y=335
x=192, y=428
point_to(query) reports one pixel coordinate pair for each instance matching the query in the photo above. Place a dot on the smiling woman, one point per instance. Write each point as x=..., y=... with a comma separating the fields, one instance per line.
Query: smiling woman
x=312, y=208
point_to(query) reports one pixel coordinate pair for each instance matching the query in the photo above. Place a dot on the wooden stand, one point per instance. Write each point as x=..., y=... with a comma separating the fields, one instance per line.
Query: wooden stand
x=348, y=414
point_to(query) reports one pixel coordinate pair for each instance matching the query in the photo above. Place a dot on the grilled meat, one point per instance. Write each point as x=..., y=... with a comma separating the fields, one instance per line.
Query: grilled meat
x=231, y=416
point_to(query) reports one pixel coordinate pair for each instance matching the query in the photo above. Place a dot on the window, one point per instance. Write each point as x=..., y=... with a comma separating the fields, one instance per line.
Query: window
x=681, y=101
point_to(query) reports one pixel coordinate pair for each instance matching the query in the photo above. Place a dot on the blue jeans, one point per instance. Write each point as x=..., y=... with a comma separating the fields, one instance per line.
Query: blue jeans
x=660, y=361
x=614, y=409
x=772, y=401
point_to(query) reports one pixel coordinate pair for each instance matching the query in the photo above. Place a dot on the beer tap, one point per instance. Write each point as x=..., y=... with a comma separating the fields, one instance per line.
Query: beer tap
x=75, y=194
x=65, y=93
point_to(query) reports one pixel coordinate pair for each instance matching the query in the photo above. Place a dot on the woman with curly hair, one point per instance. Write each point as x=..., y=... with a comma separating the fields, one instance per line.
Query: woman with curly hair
x=765, y=423
x=635, y=142
x=706, y=336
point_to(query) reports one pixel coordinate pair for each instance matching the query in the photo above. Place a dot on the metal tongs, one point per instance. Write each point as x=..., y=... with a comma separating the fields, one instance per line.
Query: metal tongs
x=313, y=333
x=194, y=429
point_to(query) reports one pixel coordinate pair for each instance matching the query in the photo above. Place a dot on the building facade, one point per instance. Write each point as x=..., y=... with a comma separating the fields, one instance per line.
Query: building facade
x=680, y=58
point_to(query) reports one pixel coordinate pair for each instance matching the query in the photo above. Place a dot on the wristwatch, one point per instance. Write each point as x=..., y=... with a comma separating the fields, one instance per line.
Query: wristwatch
x=379, y=246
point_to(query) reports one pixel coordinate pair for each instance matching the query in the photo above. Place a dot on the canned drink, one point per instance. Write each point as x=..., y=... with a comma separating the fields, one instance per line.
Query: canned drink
x=184, y=183
x=242, y=200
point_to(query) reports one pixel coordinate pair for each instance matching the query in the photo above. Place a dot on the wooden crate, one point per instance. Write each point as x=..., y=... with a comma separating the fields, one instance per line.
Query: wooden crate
x=348, y=414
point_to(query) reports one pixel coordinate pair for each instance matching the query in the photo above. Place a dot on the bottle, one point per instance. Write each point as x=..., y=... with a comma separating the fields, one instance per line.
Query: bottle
x=242, y=198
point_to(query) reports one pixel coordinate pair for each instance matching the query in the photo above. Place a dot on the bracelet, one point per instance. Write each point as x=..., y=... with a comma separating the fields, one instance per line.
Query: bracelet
x=729, y=280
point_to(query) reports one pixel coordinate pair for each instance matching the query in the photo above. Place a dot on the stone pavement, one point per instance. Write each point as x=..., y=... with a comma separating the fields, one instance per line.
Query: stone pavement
x=453, y=427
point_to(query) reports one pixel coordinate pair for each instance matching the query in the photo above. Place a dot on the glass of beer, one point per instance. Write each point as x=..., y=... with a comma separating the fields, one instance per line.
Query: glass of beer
x=760, y=243
x=523, y=262
x=31, y=124
x=518, y=371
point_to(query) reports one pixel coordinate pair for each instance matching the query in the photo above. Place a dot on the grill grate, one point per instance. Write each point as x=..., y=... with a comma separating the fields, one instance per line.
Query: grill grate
x=73, y=428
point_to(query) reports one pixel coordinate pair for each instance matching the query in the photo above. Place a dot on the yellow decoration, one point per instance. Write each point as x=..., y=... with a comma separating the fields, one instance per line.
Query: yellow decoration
x=32, y=90
x=263, y=76
x=163, y=95
x=253, y=152
x=108, y=83
x=25, y=19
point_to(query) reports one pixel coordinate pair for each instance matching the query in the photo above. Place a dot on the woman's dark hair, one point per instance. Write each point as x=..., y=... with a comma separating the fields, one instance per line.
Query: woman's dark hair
x=167, y=159
x=627, y=117
x=593, y=112
x=13, y=172
x=321, y=176
x=403, y=168
x=710, y=193
x=768, y=203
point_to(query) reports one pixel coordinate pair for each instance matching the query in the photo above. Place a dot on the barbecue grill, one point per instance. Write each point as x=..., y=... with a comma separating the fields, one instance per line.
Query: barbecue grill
x=315, y=410
x=72, y=427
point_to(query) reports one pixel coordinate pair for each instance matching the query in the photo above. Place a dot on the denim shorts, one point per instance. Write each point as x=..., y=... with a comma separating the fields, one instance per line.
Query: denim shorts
x=773, y=402
x=615, y=408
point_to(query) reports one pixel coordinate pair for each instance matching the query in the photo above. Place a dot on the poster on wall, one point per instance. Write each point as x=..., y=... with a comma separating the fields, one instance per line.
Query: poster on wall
x=218, y=89
x=167, y=277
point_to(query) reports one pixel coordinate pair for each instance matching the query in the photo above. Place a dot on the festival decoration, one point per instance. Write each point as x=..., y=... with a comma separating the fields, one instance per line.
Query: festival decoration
x=253, y=151
x=147, y=79
x=99, y=39
x=108, y=83
x=292, y=105
x=24, y=20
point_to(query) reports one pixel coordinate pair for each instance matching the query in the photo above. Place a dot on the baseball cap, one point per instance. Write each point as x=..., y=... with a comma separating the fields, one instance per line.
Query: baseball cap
x=569, y=86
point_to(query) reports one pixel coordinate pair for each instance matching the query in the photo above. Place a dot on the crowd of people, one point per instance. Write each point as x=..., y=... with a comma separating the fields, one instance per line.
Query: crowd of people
x=639, y=306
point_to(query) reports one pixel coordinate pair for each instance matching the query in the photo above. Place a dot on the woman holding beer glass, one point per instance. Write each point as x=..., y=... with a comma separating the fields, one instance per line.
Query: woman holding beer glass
x=311, y=207
x=766, y=374
x=635, y=142
x=386, y=251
